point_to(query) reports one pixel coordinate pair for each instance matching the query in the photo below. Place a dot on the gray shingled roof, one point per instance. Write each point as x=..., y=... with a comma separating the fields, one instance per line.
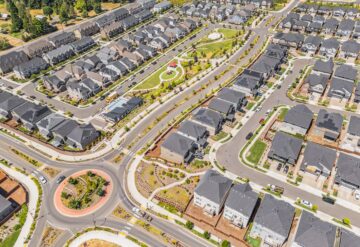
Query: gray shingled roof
x=340, y=85
x=11, y=103
x=315, y=40
x=50, y=121
x=314, y=79
x=299, y=115
x=231, y=95
x=319, y=156
x=348, y=239
x=330, y=43
x=351, y=46
x=285, y=146
x=82, y=133
x=5, y=96
x=313, y=232
x=192, y=129
x=177, y=143
x=208, y=117
x=242, y=199
x=220, y=105
x=346, y=71
x=213, y=186
x=354, y=126
x=329, y=120
x=324, y=66
x=276, y=215
x=348, y=169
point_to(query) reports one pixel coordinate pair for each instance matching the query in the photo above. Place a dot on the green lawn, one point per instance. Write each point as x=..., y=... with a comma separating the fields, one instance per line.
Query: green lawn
x=228, y=33
x=283, y=114
x=253, y=242
x=10, y=240
x=256, y=152
x=151, y=81
x=219, y=136
x=249, y=105
x=214, y=50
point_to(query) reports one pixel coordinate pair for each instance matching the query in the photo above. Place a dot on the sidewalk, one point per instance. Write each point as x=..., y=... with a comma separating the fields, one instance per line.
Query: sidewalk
x=118, y=239
x=33, y=195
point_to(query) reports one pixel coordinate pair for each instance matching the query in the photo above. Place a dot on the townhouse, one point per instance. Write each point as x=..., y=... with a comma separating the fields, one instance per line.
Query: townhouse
x=27, y=69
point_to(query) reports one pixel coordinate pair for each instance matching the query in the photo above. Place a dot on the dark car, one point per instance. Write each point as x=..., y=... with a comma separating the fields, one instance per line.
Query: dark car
x=286, y=169
x=279, y=167
x=60, y=179
x=32, y=97
x=328, y=199
x=248, y=136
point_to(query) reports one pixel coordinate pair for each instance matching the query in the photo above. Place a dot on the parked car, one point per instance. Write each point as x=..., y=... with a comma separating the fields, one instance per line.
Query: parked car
x=60, y=179
x=357, y=195
x=261, y=121
x=279, y=167
x=249, y=135
x=42, y=179
x=279, y=86
x=306, y=203
x=286, y=169
x=276, y=188
x=328, y=199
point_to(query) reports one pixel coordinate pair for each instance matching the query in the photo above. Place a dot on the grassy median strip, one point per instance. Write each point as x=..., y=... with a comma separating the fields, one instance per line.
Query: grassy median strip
x=27, y=158
x=256, y=151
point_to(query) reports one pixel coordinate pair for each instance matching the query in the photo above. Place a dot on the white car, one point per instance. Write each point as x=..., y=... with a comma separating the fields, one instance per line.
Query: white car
x=306, y=203
x=42, y=179
x=357, y=195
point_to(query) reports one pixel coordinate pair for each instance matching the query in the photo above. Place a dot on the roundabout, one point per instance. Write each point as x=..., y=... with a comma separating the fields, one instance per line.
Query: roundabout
x=83, y=193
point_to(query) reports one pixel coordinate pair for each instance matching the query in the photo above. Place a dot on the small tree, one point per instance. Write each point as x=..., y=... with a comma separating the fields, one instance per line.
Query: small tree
x=207, y=235
x=48, y=11
x=314, y=207
x=73, y=181
x=189, y=225
x=225, y=243
x=346, y=221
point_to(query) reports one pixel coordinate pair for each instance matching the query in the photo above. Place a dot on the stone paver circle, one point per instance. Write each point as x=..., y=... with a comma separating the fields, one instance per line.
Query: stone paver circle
x=66, y=211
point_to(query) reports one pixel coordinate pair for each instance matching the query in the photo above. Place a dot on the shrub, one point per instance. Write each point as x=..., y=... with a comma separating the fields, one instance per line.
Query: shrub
x=189, y=225
x=73, y=181
x=207, y=235
x=225, y=243
x=346, y=221
x=100, y=192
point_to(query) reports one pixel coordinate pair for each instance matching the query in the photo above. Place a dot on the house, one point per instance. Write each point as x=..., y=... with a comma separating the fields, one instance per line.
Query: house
x=100, y=80
x=348, y=239
x=330, y=26
x=300, y=26
x=118, y=67
x=356, y=32
x=211, y=192
x=88, y=28
x=142, y=54
x=328, y=125
x=133, y=57
x=226, y=108
x=63, y=38
x=59, y=54
x=329, y=47
x=61, y=131
x=110, y=74
x=340, y=88
x=54, y=83
x=212, y=120
x=357, y=94
x=112, y=30
x=149, y=50
x=82, y=90
x=313, y=232
x=324, y=10
x=314, y=27
x=82, y=136
x=287, y=23
x=311, y=44
x=178, y=149
x=11, y=59
x=129, y=22
x=116, y=114
x=285, y=148
x=249, y=82
x=317, y=83
x=293, y=40
x=318, y=159
x=297, y=120
x=143, y=15
x=238, y=99
x=4, y=95
x=319, y=19
x=240, y=205
x=273, y=220
x=29, y=114
x=351, y=140
x=348, y=171
x=349, y=48
x=38, y=48
x=105, y=20
x=148, y=4
x=48, y=123
x=107, y=55
x=129, y=65
x=195, y=132
x=7, y=208
x=120, y=14
x=345, y=28
x=267, y=66
x=162, y=6
x=33, y=66
x=352, y=13
x=323, y=67
x=7, y=105
x=339, y=11
x=83, y=44
x=346, y=72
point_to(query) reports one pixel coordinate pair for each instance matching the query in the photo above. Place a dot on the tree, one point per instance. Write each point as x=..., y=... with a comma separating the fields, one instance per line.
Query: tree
x=314, y=207
x=189, y=225
x=4, y=44
x=207, y=235
x=225, y=243
x=16, y=22
x=346, y=221
x=48, y=11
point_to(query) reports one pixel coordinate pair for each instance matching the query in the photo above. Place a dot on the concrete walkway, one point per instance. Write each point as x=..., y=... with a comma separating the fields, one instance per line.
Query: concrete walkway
x=119, y=239
x=33, y=195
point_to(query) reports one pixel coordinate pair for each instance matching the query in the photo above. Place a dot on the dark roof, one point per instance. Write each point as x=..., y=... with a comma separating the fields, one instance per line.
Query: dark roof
x=348, y=169
x=348, y=239
x=329, y=120
x=11, y=103
x=351, y=46
x=231, y=95
x=34, y=113
x=208, y=117
x=213, y=186
x=318, y=156
x=346, y=72
x=285, y=146
x=242, y=199
x=11, y=59
x=313, y=232
x=5, y=96
x=50, y=121
x=354, y=126
x=339, y=84
x=314, y=80
x=330, y=43
x=220, y=105
x=178, y=144
x=82, y=133
x=290, y=37
x=324, y=66
x=65, y=127
x=192, y=129
x=276, y=215
x=314, y=40
x=299, y=115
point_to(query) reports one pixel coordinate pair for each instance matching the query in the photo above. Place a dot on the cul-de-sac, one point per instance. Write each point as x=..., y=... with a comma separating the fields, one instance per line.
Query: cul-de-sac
x=180, y=123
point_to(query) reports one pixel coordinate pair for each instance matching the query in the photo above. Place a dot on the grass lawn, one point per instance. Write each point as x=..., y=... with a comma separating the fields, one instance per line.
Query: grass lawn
x=283, y=114
x=152, y=81
x=256, y=152
x=228, y=33
x=253, y=242
x=10, y=240
x=249, y=105
x=219, y=136
x=214, y=50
